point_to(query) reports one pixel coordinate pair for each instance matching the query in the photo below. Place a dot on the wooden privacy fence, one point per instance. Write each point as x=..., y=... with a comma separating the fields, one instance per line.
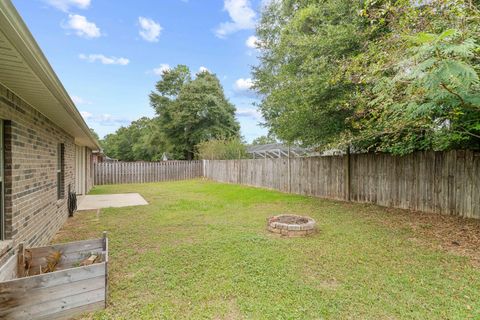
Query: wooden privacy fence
x=140, y=172
x=437, y=182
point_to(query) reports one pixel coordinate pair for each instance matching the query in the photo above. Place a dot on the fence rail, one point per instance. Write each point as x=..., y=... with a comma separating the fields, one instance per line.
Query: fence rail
x=437, y=182
x=141, y=172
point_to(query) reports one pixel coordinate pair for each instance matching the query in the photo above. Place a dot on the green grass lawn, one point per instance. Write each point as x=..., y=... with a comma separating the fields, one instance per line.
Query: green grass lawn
x=200, y=251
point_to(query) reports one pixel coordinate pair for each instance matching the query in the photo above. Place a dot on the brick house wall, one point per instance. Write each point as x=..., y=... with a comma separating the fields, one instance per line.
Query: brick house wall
x=32, y=212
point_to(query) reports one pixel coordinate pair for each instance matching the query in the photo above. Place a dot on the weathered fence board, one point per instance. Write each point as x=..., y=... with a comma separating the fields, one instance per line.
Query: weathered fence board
x=9, y=269
x=141, y=172
x=437, y=182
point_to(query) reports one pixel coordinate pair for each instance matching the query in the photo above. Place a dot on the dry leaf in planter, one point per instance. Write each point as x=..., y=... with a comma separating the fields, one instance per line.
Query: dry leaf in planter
x=52, y=262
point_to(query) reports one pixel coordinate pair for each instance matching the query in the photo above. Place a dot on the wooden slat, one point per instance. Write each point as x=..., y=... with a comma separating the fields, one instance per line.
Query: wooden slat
x=53, y=307
x=83, y=245
x=52, y=279
x=50, y=295
x=9, y=269
x=28, y=299
x=73, y=312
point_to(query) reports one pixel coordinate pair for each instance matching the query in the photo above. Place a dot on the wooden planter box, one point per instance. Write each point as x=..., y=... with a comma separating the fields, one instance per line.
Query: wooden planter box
x=67, y=292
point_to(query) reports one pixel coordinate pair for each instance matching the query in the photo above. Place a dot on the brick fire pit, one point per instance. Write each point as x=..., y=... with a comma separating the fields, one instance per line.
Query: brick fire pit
x=290, y=225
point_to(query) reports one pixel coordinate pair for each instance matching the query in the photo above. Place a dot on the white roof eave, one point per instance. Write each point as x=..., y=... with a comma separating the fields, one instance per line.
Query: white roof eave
x=35, y=81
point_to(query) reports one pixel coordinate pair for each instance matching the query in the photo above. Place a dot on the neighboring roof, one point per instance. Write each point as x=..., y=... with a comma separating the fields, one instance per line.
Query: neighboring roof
x=25, y=71
x=275, y=150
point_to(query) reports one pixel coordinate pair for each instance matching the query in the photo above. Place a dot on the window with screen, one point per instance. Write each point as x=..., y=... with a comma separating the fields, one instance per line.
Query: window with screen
x=61, y=171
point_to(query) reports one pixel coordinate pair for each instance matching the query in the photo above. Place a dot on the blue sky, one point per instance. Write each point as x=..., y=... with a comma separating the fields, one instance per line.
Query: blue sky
x=108, y=53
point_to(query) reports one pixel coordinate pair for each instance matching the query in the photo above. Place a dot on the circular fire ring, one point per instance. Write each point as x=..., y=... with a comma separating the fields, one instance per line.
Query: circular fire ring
x=291, y=225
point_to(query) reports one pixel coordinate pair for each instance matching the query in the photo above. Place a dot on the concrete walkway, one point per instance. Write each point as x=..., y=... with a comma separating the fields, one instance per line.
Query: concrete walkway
x=93, y=202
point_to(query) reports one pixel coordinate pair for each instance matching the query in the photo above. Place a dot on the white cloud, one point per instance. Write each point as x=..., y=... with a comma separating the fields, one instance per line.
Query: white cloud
x=149, y=29
x=79, y=100
x=243, y=84
x=104, y=59
x=244, y=87
x=253, y=42
x=242, y=17
x=203, y=69
x=86, y=115
x=161, y=69
x=248, y=113
x=104, y=119
x=65, y=5
x=82, y=26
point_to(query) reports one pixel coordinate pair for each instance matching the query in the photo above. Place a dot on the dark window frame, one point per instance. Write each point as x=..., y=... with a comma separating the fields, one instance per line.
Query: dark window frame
x=60, y=171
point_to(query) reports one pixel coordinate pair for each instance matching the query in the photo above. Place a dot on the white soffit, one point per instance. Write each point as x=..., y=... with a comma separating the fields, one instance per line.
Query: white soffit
x=25, y=71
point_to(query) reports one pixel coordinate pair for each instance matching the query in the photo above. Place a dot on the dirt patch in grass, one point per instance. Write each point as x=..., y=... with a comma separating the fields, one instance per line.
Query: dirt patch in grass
x=85, y=223
x=232, y=311
x=290, y=219
x=450, y=233
x=329, y=284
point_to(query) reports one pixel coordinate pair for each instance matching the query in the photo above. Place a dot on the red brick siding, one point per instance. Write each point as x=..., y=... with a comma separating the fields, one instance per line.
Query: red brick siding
x=33, y=213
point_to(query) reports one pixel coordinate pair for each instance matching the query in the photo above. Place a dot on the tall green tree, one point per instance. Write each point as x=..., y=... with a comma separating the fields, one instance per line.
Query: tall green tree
x=222, y=149
x=304, y=44
x=382, y=75
x=141, y=140
x=191, y=111
x=423, y=75
x=268, y=139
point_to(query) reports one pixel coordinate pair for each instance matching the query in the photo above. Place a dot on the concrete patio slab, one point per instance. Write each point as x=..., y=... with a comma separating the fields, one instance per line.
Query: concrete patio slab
x=93, y=202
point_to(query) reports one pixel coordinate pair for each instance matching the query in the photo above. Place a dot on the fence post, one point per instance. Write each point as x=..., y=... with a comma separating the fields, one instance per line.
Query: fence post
x=21, y=260
x=289, y=172
x=239, y=171
x=204, y=168
x=347, y=174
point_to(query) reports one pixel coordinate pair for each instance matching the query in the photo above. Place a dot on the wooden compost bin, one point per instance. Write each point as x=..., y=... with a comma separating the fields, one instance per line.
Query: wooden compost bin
x=68, y=291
